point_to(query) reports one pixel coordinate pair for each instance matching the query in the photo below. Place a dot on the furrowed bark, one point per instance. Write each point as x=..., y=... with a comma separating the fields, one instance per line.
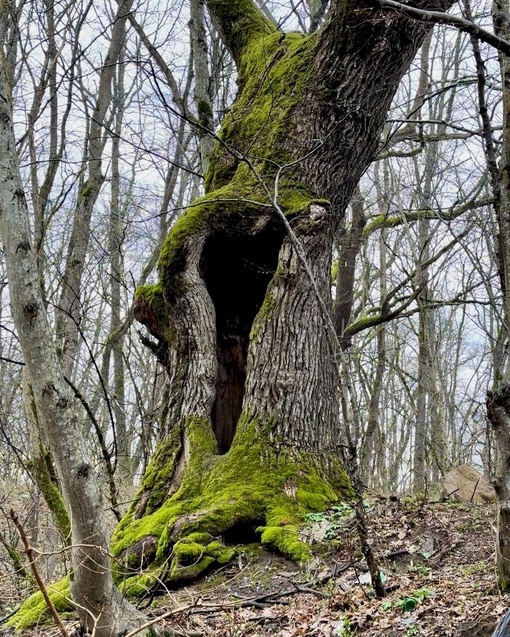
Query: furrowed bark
x=253, y=410
x=498, y=412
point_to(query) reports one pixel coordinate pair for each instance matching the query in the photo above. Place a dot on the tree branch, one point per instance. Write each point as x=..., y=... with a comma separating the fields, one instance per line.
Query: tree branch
x=31, y=558
x=438, y=17
x=393, y=220
x=239, y=23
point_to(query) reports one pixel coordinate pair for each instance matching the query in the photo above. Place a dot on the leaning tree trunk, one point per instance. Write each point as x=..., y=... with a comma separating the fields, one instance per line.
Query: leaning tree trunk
x=236, y=318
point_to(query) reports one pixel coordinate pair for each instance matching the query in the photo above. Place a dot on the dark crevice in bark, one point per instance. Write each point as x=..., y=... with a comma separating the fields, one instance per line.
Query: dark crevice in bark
x=236, y=270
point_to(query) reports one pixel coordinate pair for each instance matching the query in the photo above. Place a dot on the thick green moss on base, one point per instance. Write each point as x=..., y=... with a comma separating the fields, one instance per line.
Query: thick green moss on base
x=34, y=610
x=252, y=489
x=139, y=585
x=286, y=540
x=160, y=471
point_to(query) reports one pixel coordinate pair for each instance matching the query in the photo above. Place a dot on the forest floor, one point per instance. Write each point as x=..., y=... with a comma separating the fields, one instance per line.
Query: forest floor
x=437, y=559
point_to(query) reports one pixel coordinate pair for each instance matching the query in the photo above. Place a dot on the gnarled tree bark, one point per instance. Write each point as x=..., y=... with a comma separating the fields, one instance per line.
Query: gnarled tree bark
x=235, y=318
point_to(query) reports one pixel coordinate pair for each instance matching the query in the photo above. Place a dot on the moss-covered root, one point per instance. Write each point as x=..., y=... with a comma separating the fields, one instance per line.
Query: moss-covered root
x=252, y=493
x=191, y=557
x=34, y=610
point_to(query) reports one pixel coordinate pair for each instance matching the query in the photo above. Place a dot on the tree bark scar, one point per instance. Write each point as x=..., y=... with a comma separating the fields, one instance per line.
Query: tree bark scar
x=83, y=471
x=19, y=193
x=48, y=389
x=24, y=246
x=31, y=310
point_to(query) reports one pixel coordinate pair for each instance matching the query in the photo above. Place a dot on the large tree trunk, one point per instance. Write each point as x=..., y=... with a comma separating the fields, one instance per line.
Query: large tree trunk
x=236, y=318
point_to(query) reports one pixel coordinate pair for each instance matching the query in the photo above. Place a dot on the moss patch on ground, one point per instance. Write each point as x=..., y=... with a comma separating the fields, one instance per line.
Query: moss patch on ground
x=34, y=610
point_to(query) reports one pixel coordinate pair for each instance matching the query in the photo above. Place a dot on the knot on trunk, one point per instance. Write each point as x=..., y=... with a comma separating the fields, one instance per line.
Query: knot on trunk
x=150, y=310
x=498, y=404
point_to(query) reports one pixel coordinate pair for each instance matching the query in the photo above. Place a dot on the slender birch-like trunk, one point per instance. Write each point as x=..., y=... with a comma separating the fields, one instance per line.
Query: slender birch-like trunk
x=99, y=604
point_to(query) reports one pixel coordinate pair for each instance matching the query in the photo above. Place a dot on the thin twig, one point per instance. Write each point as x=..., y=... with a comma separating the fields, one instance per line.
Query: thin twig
x=438, y=17
x=31, y=557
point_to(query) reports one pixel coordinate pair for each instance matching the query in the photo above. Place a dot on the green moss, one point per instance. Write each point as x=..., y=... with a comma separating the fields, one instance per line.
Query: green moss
x=363, y=323
x=286, y=540
x=250, y=485
x=220, y=552
x=274, y=72
x=202, y=441
x=503, y=585
x=187, y=552
x=18, y=562
x=266, y=309
x=152, y=310
x=392, y=221
x=159, y=473
x=131, y=530
x=180, y=573
x=172, y=257
x=43, y=471
x=34, y=610
x=152, y=293
x=200, y=538
x=85, y=192
x=334, y=271
x=139, y=585
x=242, y=23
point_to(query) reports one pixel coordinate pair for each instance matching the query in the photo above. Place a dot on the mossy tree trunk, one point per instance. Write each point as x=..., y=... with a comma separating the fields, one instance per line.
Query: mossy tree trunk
x=235, y=318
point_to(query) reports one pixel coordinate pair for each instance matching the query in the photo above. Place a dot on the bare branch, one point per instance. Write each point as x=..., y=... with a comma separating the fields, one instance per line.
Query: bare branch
x=438, y=17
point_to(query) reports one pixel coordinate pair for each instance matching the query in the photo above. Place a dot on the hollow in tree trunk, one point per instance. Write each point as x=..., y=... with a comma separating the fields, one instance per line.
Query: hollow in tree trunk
x=235, y=319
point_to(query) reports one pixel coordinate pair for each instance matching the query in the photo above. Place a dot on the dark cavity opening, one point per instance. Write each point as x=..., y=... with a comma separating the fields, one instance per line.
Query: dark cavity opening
x=237, y=270
x=243, y=533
